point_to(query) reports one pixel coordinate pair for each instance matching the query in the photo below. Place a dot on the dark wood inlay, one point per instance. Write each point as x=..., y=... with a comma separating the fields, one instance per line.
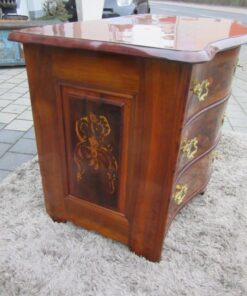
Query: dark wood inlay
x=93, y=129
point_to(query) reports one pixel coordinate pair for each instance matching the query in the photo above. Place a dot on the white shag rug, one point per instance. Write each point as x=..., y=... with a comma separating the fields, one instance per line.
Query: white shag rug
x=205, y=251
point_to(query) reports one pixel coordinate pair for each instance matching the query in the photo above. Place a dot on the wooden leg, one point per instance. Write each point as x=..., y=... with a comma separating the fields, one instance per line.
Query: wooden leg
x=58, y=220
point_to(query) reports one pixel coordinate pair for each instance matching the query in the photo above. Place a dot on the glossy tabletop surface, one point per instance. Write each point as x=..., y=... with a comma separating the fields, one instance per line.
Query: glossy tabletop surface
x=143, y=35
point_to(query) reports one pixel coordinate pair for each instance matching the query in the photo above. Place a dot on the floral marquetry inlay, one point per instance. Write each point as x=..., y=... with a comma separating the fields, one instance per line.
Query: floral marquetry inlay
x=93, y=151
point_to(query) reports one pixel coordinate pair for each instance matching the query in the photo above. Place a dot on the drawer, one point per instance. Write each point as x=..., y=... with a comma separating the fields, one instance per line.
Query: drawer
x=201, y=133
x=211, y=81
x=191, y=182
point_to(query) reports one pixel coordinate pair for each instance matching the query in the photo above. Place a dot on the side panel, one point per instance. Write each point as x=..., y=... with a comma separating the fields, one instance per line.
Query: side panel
x=158, y=120
x=83, y=108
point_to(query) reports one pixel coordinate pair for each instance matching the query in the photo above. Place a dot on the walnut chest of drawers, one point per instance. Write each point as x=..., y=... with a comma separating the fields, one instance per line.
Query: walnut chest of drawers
x=127, y=114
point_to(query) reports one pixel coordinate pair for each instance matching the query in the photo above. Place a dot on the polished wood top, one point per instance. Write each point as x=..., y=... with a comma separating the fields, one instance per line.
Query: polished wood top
x=181, y=38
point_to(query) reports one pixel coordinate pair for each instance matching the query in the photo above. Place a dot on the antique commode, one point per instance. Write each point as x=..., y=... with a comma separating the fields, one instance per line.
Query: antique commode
x=127, y=114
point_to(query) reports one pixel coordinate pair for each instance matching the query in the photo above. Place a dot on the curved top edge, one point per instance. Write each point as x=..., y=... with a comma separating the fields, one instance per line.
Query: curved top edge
x=173, y=38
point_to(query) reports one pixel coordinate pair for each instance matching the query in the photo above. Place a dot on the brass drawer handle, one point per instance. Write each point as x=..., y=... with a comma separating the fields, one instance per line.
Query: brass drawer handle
x=180, y=193
x=200, y=89
x=190, y=148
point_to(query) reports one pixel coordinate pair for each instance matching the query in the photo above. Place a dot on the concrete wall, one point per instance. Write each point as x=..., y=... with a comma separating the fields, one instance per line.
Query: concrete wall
x=31, y=8
x=22, y=8
x=35, y=7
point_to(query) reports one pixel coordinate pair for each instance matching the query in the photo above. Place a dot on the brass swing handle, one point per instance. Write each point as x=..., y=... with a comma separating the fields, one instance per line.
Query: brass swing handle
x=200, y=89
x=180, y=193
x=190, y=148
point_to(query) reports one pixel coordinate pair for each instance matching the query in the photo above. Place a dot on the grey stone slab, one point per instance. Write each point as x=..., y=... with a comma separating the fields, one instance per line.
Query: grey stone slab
x=240, y=75
x=17, y=71
x=2, y=91
x=240, y=129
x=237, y=114
x=4, y=174
x=239, y=83
x=4, y=148
x=10, y=95
x=26, y=96
x=15, y=80
x=243, y=105
x=4, y=103
x=10, y=161
x=27, y=146
x=233, y=109
x=24, y=84
x=232, y=102
x=6, y=117
x=227, y=128
x=23, y=101
x=19, y=90
x=19, y=125
x=30, y=134
x=27, y=115
x=13, y=108
x=241, y=99
x=6, y=85
x=9, y=74
x=8, y=136
x=240, y=122
x=238, y=91
x=226, y=123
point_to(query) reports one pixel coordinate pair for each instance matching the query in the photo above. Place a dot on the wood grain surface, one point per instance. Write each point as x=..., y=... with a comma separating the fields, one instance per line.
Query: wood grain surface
x=109, y=130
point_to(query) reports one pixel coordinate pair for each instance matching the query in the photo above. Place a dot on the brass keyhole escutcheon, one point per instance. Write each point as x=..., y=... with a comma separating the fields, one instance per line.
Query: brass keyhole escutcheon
x=180, y=193
x=190, y=148
x=200, y=89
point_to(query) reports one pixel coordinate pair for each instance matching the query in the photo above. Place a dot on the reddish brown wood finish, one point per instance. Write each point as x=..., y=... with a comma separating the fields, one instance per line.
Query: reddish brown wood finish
x=109, y=129
x=205, y=128
x=169, y=37
x=196, y=177
x=219, y=72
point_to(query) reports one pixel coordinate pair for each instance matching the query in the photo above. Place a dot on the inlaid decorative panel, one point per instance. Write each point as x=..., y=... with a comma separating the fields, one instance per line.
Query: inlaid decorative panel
x=93, y=130
x=93, y=149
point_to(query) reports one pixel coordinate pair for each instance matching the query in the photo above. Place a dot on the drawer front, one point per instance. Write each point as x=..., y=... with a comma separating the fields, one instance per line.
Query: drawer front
x=201, y=133
x=190, y=183
x=211, y=81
